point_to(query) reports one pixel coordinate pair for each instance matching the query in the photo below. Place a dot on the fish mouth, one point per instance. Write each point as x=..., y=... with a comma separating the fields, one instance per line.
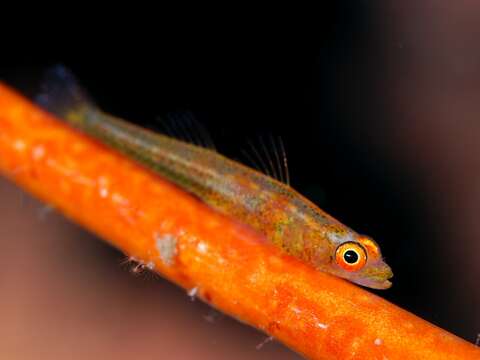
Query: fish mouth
x=379, y=279
x=383, y=285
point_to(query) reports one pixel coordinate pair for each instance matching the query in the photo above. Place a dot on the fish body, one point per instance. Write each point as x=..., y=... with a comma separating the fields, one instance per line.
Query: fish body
x=281, y=214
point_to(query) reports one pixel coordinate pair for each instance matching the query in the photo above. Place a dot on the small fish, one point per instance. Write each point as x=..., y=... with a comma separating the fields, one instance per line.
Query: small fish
x=281, y=214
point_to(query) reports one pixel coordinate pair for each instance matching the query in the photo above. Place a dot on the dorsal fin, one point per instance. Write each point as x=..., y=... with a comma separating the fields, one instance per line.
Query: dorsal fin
x=183, y=125
x=267, y=154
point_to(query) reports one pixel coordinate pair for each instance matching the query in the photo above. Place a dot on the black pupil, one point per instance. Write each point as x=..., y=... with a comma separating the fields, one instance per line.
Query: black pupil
x=350, y=256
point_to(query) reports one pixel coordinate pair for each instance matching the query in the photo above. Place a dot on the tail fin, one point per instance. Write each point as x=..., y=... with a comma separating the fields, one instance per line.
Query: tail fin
x=61, y=94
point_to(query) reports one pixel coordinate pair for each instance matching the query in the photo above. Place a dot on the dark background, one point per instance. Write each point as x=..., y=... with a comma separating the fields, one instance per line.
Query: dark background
x=377, y=103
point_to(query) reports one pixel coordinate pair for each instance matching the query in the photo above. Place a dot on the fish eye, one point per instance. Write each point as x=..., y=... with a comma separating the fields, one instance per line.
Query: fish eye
x=351, y=256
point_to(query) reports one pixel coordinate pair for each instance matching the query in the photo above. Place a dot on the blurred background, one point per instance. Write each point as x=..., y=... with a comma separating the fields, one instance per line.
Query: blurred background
x=378, y=104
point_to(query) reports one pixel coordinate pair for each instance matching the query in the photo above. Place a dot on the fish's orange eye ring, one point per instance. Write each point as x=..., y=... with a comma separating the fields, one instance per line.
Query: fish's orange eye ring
x=351, y=256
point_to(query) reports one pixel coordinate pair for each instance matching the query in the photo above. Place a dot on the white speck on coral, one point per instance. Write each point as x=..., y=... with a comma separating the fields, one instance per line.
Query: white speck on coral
x=69, y=172
x=202, y=247
x=262, y=344
x=181, y=232
x=103, y=192
x=295, y=310
x=192, y=293
x=84, y=180
x=138, y=268
x=119, y=199
x=150, y=265
x=378, y=342
x=322, y=326
x=38, y=152
x=19, y=145
x=166, y=246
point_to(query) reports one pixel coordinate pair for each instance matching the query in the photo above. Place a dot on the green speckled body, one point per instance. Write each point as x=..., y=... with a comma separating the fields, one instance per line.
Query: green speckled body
x=280, y=213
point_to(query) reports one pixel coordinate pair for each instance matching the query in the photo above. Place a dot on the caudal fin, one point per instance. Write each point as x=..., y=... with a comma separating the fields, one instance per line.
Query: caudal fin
x=61, y=94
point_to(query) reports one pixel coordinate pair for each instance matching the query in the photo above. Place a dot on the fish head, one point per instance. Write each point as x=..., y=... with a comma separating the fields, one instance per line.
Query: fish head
x=358, y=259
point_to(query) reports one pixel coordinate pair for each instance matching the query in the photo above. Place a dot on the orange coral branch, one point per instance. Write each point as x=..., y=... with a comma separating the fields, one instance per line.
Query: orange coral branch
x=230, y=266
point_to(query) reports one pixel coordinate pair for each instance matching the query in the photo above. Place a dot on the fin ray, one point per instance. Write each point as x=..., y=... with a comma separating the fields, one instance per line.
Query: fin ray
x=269, y=156
x=184, y=126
